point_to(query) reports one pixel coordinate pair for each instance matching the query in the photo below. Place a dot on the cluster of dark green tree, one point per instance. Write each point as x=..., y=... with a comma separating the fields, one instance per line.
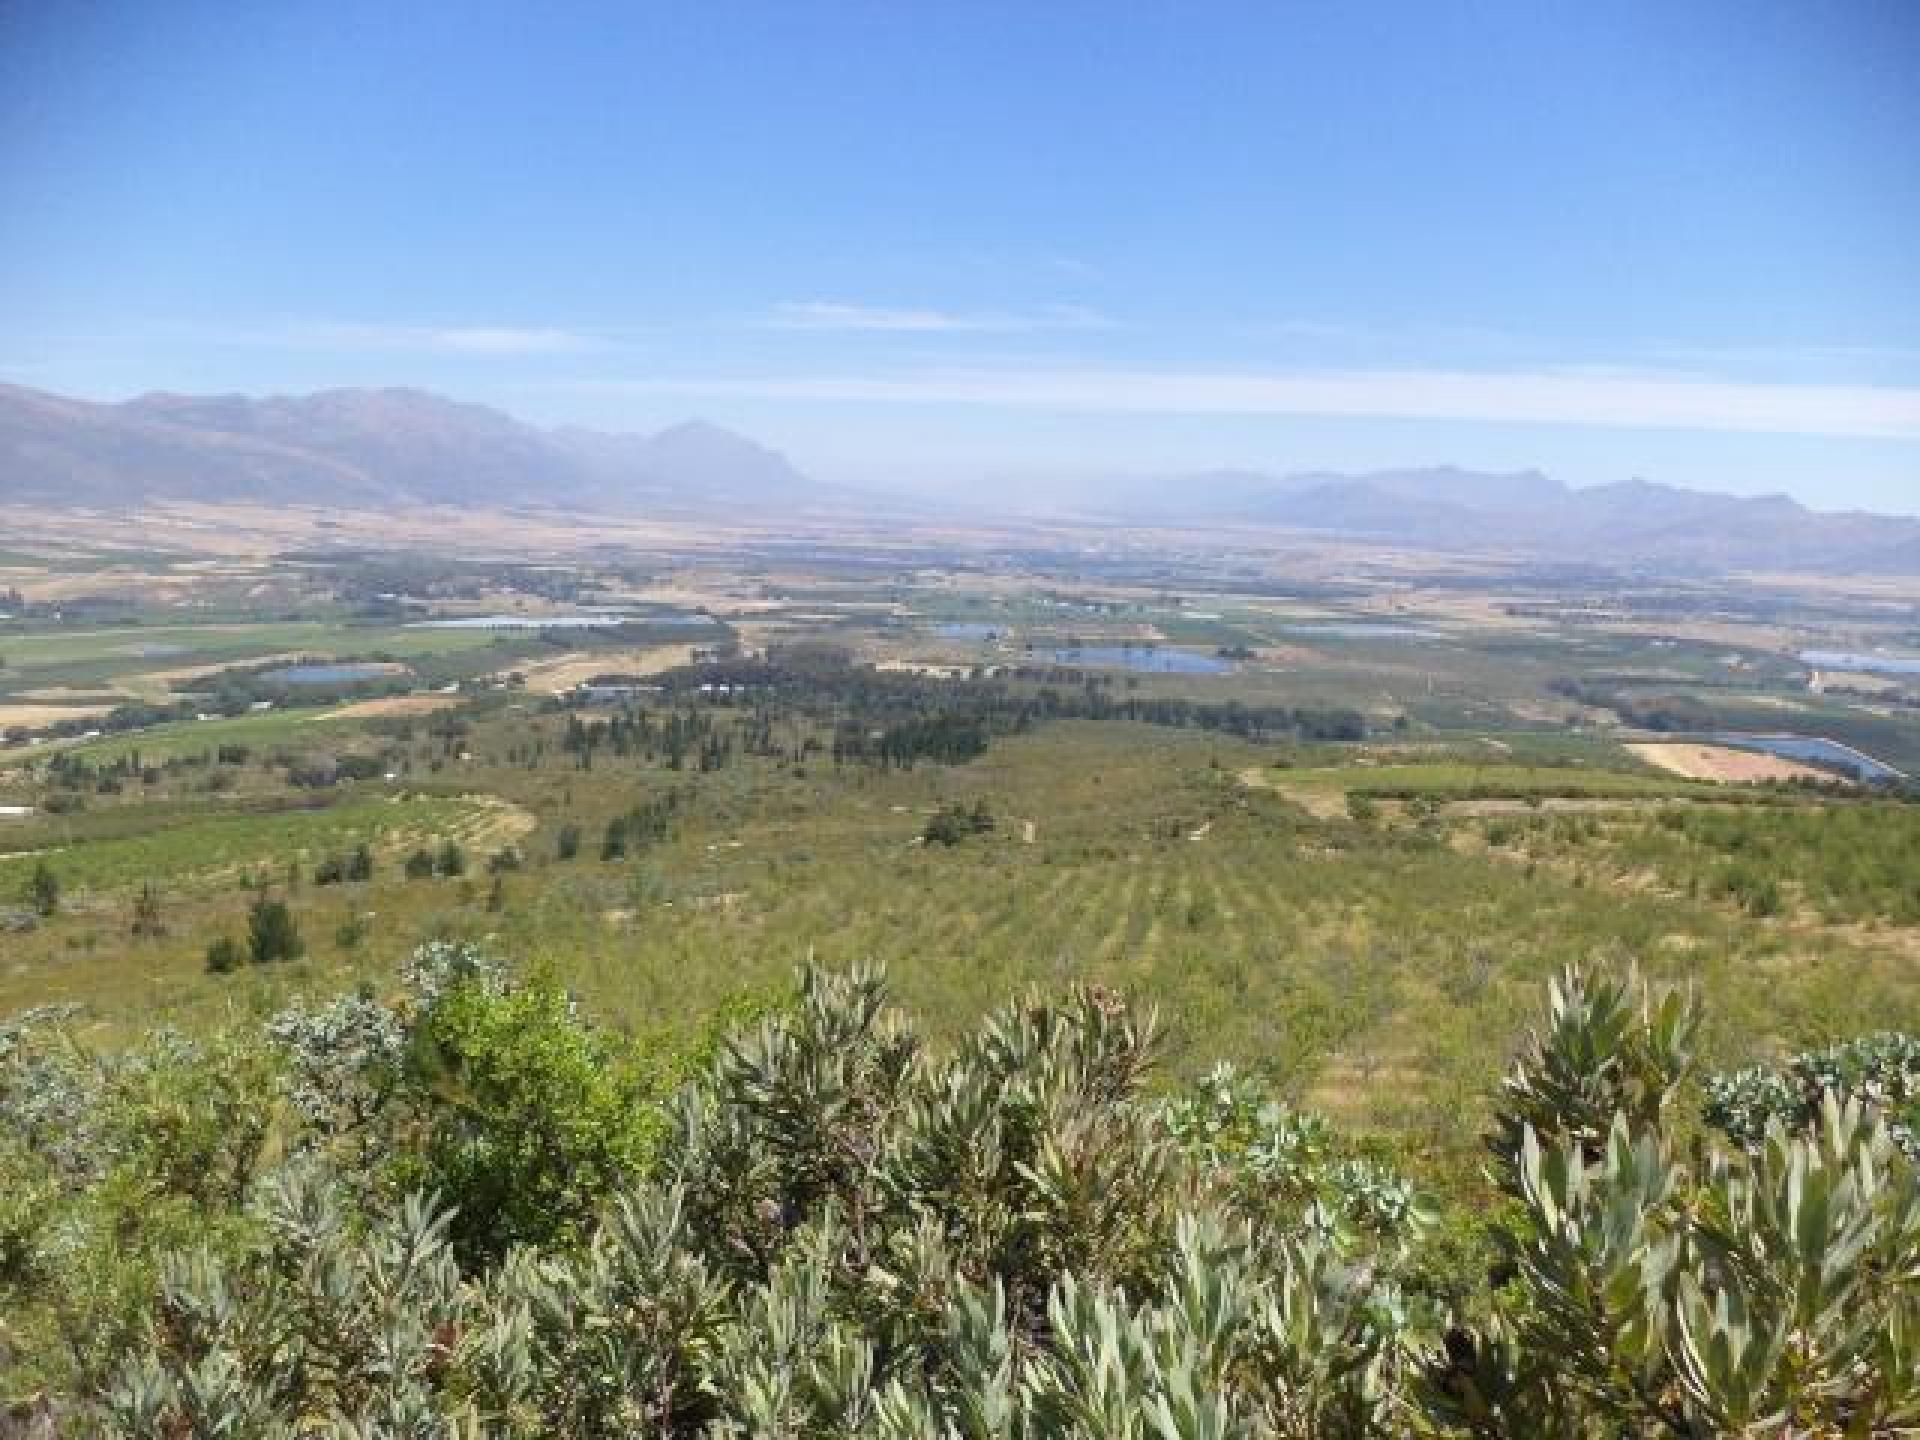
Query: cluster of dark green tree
x=466, y=1212
x=825, y=683
x=1662, y=712
x=273, y=936
x=400, y=586
x=946, y=739
x=354, y=867
x=953, y=823
x=646, y=824
x=672, y=736
x=446, y=861
x=71, y=776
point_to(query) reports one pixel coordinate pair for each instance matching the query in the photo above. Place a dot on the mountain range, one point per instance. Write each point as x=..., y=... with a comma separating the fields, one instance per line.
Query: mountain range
x=369, y=449
x=1632, y=522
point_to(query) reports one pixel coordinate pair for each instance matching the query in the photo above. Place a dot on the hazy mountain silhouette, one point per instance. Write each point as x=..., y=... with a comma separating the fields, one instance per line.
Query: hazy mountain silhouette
x=366, y=447
x=375, y=448
x=1630, y=522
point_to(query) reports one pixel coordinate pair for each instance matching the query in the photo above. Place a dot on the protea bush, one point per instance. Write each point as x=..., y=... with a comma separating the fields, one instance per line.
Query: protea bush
x=828, y=1228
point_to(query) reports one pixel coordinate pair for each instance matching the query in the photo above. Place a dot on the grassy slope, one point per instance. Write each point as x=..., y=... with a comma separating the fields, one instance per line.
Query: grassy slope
x=1380, y=970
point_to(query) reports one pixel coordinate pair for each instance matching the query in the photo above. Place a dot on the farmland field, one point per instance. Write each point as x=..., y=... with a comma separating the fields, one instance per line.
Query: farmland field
x=1325, y=911
x=1340, y=844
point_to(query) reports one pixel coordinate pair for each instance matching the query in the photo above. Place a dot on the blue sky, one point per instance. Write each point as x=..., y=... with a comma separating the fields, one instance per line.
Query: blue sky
x=1018, y=244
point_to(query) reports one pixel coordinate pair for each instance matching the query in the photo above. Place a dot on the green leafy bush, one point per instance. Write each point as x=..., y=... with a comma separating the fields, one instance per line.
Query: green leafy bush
x=224, y=955
x=537, y=1115
x=492, y=1093
x=956, y=822
x=272, y=934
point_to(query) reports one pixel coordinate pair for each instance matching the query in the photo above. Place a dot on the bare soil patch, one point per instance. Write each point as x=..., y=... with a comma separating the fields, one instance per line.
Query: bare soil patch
x=1723, y=763
x=64, y=696
x=565, y=672
x=389, y=705
x=1321, y=802
x=34, y=716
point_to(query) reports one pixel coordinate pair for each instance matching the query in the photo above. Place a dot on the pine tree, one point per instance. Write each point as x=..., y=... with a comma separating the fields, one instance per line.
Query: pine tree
x=43, y=890
x=147, y=924
x=271, y=933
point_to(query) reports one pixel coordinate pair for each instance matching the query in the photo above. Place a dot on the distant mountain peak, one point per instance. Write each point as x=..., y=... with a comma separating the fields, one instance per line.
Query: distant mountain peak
x=1637, y=521
x=355, y=445
x=697, y=428
x=706, y=433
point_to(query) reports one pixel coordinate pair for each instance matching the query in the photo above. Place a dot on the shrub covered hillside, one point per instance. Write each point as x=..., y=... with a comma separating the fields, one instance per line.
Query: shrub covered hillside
x=467, y=1212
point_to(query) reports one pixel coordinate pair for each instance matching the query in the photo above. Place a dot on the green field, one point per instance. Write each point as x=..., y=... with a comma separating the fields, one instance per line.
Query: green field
x=208, y=847
x=297, y=726
x=130, y=656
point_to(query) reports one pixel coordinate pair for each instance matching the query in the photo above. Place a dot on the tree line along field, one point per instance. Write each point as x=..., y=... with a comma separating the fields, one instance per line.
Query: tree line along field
x=1368, y=960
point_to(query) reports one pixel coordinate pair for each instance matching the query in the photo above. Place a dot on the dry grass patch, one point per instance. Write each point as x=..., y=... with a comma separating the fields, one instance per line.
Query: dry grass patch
x=1318, y=801
x=1723, y=764
x=35, y=716
x=392, y=705
x=577, y=667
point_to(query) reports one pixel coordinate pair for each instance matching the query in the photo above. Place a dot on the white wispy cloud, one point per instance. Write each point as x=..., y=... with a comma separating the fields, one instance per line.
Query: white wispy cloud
x=478, y=340
x=880, y=319
x=349, y=337
x=1602, y=398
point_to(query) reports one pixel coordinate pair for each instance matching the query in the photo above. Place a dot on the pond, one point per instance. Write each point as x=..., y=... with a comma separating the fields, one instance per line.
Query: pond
x=1817, y=750
x=341, y=674
x=558, y=622
x=1870, y=664
x=969, y=630
x=1147, y=659
x=1364, y=630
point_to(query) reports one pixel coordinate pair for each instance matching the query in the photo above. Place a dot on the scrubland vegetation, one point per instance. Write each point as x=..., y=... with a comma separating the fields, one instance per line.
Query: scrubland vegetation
x=445, y=1072
x=464, y=1209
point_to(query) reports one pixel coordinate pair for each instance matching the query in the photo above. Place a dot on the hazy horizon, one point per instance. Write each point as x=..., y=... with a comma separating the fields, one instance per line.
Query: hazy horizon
x=943, y=251
x=1062, y=489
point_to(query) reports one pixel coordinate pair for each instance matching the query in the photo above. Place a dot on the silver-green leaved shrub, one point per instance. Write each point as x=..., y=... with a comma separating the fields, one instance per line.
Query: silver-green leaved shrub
x=325, y=1326
x=1881, y=1072
x=842, y=1232
x=1663, y=1291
